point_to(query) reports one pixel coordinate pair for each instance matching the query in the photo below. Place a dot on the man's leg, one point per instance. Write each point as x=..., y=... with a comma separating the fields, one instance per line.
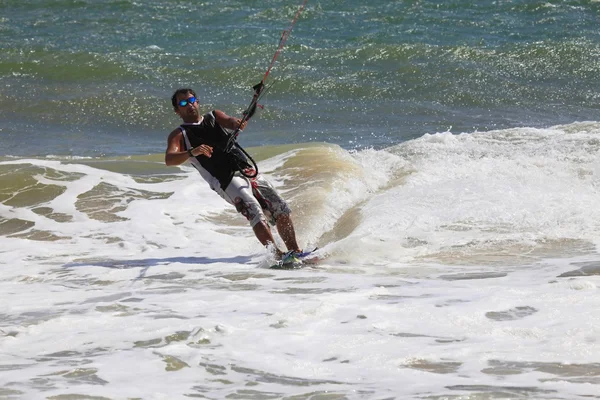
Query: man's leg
x=277, y=207
x=264, y=235
x=239, y=193
x=285, y=227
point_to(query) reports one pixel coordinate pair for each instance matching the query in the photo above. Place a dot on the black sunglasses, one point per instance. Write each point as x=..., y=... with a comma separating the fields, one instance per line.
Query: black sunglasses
x=183, y=103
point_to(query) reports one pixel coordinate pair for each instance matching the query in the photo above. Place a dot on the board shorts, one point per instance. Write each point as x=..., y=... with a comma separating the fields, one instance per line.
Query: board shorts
x=255, y=198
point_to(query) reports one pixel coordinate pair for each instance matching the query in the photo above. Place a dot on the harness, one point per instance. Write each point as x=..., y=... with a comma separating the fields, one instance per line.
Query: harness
x=222, y=164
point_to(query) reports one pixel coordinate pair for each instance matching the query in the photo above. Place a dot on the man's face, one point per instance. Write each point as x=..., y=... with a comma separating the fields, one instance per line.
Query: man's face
x=187, y=107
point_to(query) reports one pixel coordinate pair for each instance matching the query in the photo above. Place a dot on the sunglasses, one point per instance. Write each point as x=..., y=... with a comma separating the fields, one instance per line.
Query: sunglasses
x=183, y=103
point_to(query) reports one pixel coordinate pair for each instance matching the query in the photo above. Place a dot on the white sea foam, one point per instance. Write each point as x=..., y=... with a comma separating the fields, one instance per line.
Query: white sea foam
x=518, y=188
x=446, y=282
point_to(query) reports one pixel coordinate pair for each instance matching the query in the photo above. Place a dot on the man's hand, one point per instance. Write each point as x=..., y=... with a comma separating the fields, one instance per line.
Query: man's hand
x=202, y=150
x=241, y=124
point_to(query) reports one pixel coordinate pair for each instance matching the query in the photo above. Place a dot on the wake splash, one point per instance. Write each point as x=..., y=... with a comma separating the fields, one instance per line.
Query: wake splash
x=514, y=195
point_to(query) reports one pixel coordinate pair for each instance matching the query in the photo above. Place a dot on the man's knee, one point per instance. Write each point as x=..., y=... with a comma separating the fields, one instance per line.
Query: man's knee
x=251, y=211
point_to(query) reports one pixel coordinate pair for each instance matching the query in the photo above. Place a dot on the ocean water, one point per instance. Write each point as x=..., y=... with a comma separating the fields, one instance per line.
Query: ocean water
x=443, y=155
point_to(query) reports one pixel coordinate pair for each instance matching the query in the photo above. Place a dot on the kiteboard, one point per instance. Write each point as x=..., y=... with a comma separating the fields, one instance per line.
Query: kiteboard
x=296, y=261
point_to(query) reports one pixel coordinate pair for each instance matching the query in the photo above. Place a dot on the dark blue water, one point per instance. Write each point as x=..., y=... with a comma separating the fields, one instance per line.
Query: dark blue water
x=93, y=78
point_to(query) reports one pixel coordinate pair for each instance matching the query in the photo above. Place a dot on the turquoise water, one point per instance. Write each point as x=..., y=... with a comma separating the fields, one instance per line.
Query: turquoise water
x=94, y=78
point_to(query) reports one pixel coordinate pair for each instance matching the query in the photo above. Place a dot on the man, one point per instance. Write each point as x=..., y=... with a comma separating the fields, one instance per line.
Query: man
x=202, y=140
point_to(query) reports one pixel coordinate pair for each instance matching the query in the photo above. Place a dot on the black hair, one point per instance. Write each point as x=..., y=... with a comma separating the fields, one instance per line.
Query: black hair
x=181, y=91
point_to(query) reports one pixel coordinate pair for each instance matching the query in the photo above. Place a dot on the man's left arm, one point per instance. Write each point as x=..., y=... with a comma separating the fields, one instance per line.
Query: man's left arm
x=228, y=122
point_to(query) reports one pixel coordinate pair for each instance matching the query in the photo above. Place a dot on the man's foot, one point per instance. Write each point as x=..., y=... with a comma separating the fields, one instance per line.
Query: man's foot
x=294, y=255
x=302, y=254
x=279, y=255
x=285, y=256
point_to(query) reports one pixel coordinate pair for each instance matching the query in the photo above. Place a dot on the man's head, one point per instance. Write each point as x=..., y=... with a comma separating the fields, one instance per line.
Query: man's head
x=185, y=104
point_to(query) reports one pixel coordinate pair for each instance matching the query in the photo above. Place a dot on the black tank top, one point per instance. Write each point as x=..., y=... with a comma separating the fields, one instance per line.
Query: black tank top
x=222, y=165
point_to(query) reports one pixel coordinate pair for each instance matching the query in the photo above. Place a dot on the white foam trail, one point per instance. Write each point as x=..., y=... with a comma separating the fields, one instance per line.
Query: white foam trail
x=172, y=299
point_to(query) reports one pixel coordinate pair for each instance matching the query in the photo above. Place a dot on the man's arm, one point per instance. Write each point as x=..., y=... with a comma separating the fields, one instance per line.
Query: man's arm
x=229, y=122
x=176, y=153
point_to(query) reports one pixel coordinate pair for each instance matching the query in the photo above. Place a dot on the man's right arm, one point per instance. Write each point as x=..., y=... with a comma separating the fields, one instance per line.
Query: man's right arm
x=176, y=153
